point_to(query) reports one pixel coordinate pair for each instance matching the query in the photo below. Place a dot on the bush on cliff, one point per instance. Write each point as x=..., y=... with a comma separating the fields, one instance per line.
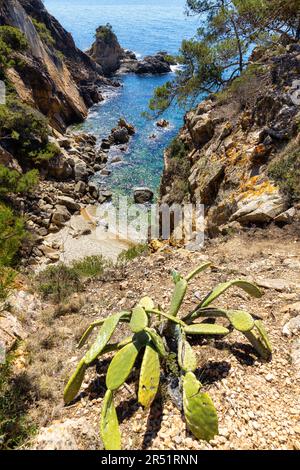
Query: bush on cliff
x=285, y=170
x=177, y=173
x=24, y=132
x=43, y=32
x=11, y=40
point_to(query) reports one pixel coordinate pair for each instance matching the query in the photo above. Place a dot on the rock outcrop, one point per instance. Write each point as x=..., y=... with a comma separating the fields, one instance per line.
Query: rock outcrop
x=230, y=143
x=56, y=78
x=108, y=53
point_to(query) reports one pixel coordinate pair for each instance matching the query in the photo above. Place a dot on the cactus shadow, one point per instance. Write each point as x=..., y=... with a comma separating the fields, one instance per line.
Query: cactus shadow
x=153, y=422
x=213, y=371
x=126, y=409
x=244, y=353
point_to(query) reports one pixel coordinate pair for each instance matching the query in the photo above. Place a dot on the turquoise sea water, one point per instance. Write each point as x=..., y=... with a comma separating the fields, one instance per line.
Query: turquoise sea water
x=144, y=27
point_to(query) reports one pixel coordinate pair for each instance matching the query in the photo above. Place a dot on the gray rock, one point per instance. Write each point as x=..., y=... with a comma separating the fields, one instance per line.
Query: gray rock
x=143, y=195
x=260, y=209
x=292, y=327
x=80, y=187
x=280, y=285
x=120, y=136
x=286, y=217
x=80, y=171
x=73, y=434
x=60, y=216
x=201, y=129
x=69, y=203
x=93, y=189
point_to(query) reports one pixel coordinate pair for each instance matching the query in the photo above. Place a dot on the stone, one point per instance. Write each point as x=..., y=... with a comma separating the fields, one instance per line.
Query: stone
x=162, y=123
x=260, y=209
x=201, y=129
x=50, y=253
x=120, y=136
x=59, y=168
x=292, y=327
x=143, y=195
x=93, y=189
x=80, y=171
x=64, y=142
x=73, y=434
x=274, y=284
x=130, y=128
x=286, y=217
x=69, y=203
x=80, y=187
x=7, y=160
x=60, y=216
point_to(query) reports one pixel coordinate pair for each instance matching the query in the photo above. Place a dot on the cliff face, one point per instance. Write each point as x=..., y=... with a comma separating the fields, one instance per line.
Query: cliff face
x=56, y=77
x=240, y=150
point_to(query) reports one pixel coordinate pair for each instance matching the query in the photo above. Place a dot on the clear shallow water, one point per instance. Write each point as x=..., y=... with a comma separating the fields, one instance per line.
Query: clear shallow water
x=144, y=27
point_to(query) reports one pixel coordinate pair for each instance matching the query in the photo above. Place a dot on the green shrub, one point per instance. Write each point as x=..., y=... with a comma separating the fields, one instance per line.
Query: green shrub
x=43, y=32
x=11, y=40
x=91, y=266
x=24, y=131
x=178, y=171
x=7, y=279
x=17, y=393
x=132, y=253
x=58, y=283
x=105, y=33
x=12, y=181
x=12, y=233
x=285, y=170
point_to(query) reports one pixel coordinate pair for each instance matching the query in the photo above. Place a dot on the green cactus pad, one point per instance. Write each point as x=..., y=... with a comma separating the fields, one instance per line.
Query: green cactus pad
x=149, y=377
x=176, y=276
x=248, y=287
x=146, y=303
x=157, y=341
x=178, y=297
x=103, y=337
x=205, y=329
x=109, y=425
x=139, y=320
x=88, y=332
x=263, y=334
x=74, y=384
x=187, y=359
x=241, y=321
x=197, y=271
x=199, y=410
x=121, y=366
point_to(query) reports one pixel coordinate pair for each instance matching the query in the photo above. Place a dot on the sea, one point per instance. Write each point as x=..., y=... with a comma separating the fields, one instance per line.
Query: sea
x=144, y=27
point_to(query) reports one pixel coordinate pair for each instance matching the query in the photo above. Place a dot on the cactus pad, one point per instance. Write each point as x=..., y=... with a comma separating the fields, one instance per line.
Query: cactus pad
x=248, y=287
x=149, y=377
x=197, y=271
x=103, y=337
x=241, y=321
x=146, y=303
x=263, y=334
x=157, y=341
x=109, y=425
x=199, y=410
x=75, y=382
x=139, y=320
x=186, y=357
x=178, y=296
x=205, y=329
x=121, y=366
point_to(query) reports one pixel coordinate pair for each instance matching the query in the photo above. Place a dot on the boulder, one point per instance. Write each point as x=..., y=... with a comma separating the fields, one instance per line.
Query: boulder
x=50, y=253
x=60, y=168
x=80, y=171
x=69, y=203
x=80, y=187
x=156, y=64
x=163, y=123
x=119, y=136
x=73, y=434
x=7, y=160
x=130, y=128
x=93, y=189
x=106, y=50
x=260, y=209
x=286, y=217
x=201, y=129
x=60, y=216
x=143, y=195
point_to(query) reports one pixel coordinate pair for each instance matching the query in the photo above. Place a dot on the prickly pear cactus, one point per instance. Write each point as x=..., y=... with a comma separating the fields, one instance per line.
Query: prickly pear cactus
x=156, y=335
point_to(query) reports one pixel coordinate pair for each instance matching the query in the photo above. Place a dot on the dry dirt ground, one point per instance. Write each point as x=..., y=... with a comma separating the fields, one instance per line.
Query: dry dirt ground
x=257, y=401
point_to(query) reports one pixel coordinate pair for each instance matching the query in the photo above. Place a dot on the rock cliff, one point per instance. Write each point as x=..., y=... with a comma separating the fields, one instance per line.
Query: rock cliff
x=238, y=152
x=56, y=78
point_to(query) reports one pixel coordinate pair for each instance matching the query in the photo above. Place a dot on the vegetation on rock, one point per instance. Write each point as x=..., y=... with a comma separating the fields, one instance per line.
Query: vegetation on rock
x=156, y=335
